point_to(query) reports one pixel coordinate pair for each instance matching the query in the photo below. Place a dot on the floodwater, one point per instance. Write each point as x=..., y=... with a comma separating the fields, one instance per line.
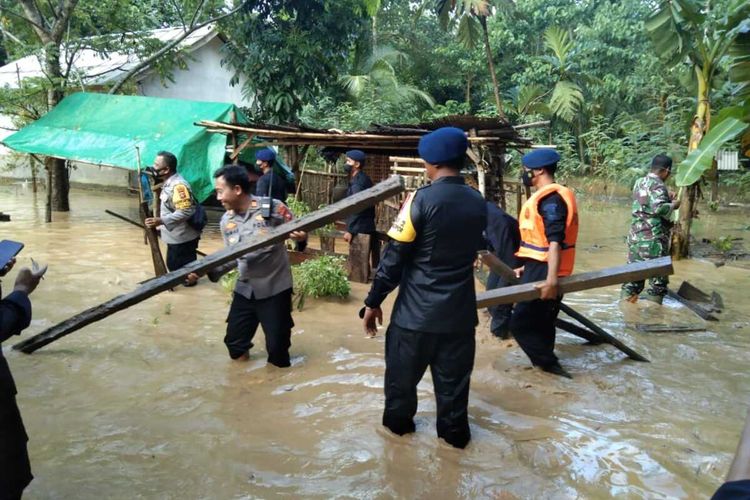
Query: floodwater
x=146, y=404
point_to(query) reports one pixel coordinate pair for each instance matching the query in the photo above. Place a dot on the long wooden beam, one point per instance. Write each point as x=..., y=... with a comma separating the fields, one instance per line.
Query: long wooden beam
x=578, y=282
x=353, y=204
x=591, y=331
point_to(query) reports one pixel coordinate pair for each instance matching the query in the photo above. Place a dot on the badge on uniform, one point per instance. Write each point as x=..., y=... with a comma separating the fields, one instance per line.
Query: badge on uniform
x=230, y=226
x=253, y=203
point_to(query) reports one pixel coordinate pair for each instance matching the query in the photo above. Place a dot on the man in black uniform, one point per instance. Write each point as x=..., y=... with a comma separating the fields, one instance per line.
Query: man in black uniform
x=434, y=243
x=504, y=239
x=549, y=228
x=264, y=160
x=360, y=227
x=15, y=315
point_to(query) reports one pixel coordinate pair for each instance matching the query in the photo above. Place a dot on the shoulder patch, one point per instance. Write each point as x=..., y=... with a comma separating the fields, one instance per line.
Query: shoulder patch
x=181, y=197
x=402, y=229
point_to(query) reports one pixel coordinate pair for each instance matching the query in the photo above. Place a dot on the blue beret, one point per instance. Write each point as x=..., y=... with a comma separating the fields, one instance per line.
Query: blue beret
x=444, y=145
x=265, y=154
x=356, y=155
x=540, y=158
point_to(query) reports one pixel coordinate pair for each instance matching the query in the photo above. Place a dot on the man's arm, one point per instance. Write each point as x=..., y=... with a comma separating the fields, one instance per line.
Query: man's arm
x=740, y=468
x=183, y=207
x=554, y=213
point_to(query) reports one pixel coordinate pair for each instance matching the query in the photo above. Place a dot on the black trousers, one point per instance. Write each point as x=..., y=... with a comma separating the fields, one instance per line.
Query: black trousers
x=533, y=326
x=180, y=254
x=15, y=469
x=274, y=314
x=500, y=314
x=451, y=360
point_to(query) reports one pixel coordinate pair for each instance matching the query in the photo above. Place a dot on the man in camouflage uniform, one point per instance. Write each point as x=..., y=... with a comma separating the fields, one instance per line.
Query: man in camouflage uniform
x=650, y=227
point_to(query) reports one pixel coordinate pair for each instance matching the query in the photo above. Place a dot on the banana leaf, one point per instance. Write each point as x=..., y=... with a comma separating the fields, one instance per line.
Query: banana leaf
x=699, y=160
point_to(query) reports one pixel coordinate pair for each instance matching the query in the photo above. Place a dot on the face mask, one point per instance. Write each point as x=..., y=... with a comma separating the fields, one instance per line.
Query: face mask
x=526, y=178
x=347, y=168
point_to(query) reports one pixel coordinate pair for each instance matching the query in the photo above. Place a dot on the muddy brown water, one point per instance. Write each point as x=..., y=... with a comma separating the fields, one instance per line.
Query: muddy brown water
x=146, y=404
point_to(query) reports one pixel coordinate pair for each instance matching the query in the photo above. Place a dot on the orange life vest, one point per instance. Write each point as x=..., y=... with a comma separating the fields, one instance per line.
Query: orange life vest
x=534, y=244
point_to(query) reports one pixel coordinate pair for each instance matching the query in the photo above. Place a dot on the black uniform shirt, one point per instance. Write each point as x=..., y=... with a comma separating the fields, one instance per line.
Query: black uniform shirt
x=430, y=258
x=364, y=221
x=554, y=213
x=278, y=191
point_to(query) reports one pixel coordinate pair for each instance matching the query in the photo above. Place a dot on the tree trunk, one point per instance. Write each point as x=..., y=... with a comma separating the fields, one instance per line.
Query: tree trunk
x=468, y=92
x=60, y=185
x=698, y=128
x=491, y=66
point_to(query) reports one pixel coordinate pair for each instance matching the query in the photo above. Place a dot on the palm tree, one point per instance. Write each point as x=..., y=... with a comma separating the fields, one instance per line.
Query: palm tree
x=471, y=17
x=691, y=36
x=377, y=74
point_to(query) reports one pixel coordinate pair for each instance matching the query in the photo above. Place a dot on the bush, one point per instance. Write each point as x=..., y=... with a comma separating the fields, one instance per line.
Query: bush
x=325, y=276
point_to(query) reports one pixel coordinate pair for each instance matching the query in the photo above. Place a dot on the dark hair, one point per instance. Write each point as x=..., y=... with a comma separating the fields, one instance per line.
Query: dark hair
x=169, y=159
x=234, y=175
x=458, y=164
x=661, y=162
x=551, y=169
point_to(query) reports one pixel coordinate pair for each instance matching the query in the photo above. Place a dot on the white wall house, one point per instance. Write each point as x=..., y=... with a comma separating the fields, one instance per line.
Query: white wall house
x=204, y=79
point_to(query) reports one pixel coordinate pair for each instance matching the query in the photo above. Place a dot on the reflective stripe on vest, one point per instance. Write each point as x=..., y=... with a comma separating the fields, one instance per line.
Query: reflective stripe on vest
x=534, y=244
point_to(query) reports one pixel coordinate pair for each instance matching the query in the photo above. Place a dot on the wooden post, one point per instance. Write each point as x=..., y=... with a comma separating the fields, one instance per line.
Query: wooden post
x=353, y=204
x=150, y=233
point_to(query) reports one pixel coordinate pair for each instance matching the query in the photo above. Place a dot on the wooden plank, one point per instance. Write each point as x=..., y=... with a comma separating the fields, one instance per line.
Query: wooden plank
x=578, y=331
x=353, y=204
x=578, y=282
x=509, y=275
x=696, y=308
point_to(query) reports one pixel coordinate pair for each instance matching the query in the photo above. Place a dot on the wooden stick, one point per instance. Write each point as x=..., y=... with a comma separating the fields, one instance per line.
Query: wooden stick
x=138, y=224
x=353, y=204
x=152, y=238
x=609, y=338
x=578, y=331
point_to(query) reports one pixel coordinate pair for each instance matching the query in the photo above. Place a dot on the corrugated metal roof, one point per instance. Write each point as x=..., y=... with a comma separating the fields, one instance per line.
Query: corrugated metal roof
x=97, y=69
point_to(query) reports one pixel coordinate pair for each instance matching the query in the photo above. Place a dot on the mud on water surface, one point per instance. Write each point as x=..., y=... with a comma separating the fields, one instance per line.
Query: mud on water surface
x=146, y=404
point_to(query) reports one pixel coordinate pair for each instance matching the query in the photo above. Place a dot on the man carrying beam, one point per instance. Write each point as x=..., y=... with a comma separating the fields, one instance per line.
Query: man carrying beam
x=263, y=293
x=549, y=229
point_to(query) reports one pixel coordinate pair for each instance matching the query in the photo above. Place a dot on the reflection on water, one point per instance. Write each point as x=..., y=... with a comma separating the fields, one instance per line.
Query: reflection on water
x=146, y=404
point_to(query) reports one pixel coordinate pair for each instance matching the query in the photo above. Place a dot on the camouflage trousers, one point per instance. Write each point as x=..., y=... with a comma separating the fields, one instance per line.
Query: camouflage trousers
x=640, y=249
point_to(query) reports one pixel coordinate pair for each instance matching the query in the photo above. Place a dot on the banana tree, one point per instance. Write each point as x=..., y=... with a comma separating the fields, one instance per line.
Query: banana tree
x=699, y=35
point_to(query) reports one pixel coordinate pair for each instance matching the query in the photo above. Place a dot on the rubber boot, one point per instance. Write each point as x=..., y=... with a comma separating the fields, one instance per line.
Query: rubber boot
x=627, y=296
x=653, y=298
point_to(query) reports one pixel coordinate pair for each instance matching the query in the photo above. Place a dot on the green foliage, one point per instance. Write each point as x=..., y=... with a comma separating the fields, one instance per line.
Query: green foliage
x=699, y=160
x=723, y=244
x=290, y=51
x=298, y=207
x=228, y=281
x=325, y=276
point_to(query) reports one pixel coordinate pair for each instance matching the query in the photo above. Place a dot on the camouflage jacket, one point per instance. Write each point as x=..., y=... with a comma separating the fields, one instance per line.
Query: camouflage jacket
x=652, y=208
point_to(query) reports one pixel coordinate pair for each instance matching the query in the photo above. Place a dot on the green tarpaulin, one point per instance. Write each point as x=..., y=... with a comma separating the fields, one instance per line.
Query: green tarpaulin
x=105, y=129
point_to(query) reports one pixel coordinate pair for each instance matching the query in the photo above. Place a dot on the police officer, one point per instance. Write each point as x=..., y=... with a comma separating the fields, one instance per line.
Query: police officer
x=15, y=316
x=650, y=228
x=503, y=239
x=549, y=229
x=263, y=294
x=434, y=242
x=360, y=227
x=264, y=160
x=177, y=205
